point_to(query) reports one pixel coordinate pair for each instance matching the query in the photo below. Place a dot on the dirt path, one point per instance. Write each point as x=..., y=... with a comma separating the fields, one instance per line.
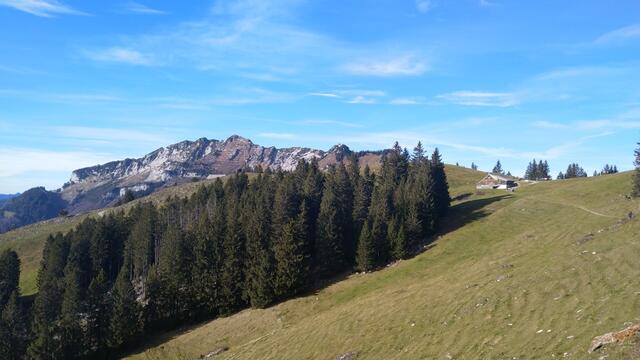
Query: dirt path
x=577, y=207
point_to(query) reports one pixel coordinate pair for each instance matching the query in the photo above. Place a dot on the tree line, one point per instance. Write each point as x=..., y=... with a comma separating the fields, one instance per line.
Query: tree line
x=247, y=241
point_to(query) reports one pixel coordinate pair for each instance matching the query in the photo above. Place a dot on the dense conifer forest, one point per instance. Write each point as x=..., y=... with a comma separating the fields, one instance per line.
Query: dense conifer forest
x=248, y=241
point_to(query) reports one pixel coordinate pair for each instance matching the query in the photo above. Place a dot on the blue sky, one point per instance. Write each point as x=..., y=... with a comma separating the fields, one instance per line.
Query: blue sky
x=85, y=82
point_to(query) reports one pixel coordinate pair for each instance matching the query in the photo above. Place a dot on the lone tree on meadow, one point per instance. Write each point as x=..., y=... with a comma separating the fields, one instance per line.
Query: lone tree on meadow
x=636, y=175
x=498, y=169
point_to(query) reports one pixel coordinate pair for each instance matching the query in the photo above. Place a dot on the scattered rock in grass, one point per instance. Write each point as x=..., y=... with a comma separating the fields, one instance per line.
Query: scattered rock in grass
x=348, y=356
x=614, y=337
x=215, y=352
x=585, y=239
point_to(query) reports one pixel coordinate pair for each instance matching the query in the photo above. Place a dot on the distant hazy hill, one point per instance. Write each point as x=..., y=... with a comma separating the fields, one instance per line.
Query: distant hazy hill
x=101, y=186
x=31, y=206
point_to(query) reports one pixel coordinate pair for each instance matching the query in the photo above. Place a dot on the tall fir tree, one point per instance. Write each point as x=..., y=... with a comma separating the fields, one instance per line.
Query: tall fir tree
x=329, y=246
x=260, y=261
x=232, y=274
x=125, y=324
x=14, y=331
x=9, y=275
x=497, y=169
x=204, y=268
x=365, y=257
x=635, y=189
x=442, y=199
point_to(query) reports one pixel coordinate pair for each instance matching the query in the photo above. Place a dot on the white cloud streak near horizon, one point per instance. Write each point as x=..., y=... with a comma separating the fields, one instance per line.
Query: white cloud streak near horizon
x=619, y=35
x=18, y=161
x=119, y=55
x=42, y=8
x=480, y=98
x=138, y=8
x=400, y=66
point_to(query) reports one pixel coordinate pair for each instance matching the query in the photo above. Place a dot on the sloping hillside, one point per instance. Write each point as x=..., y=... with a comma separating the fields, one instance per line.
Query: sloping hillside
x=28, y=241
x=533, y=274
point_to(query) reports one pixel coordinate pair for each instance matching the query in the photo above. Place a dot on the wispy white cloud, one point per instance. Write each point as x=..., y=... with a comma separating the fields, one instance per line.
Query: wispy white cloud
x=17, y=161
x=119, y=55
x=325, y=94
x=60, y=97
x=236, y=96
x=43, y=8
x=361, y=100
x=277, y=136
x=352, y=96
x=479, y=98
x=138, y=8
x=608, y=124
x=404, y=101
x=409, y=138
x=544, y=124
x=579, y=72
x=619, y=35
x=400, y=66
x=424, y=6
x=110, y=135
x=330, y=122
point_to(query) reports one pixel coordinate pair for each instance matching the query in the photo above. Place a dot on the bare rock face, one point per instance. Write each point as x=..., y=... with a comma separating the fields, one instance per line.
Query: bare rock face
x=614, y=337
x=100, y=186
x=351, y=355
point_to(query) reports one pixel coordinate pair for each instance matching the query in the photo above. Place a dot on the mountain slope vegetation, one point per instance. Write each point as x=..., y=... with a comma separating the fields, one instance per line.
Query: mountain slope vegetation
x=123, y=276
x=526, y=275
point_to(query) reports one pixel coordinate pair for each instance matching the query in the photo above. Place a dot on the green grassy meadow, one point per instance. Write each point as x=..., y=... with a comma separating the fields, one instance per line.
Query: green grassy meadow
x=526, y=275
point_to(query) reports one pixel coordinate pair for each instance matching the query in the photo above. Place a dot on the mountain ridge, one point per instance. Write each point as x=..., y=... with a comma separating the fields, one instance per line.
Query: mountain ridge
x=102, y=185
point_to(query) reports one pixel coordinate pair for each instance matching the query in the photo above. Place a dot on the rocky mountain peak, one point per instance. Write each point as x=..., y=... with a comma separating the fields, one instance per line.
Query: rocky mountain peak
x=98, y=186
x=238, y=139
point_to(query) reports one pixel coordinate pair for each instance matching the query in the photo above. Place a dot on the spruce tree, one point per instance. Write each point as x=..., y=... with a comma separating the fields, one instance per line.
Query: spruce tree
x=345, y=193
x=14, y=332
x=418, y=153
x=365, y=257
x=232, y=275
x=124, y=325
x=398, y=240
x=442, y=199
x=292, y=266
x=45, y=327
x=260, y=262
x=98, y=309
x=71, y=334
x=635, y=190
x=362, y=199
x=205, y=264
x=329, y=247
x=144, y=240
x=497, y=169
x=9, y=275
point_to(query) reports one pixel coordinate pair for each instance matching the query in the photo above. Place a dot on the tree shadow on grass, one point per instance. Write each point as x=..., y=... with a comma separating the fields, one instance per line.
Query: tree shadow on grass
x=467, y=212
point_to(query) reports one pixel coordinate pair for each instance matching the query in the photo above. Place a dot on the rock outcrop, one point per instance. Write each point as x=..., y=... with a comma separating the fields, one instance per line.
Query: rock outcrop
x=614, y=337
